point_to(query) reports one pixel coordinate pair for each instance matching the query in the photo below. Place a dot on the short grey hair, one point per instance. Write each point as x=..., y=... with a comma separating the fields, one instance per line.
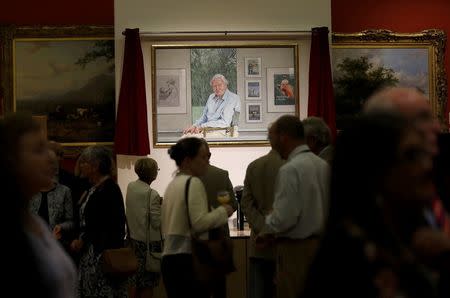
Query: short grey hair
x=316, y=127
x=99, y=155
x=146, y=169
x=219, y=77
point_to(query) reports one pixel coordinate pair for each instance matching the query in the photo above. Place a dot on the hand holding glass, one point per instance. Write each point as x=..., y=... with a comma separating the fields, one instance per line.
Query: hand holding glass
x=223, y=197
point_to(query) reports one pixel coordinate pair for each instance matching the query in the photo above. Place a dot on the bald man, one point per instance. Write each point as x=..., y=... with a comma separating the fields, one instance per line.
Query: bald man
x=413, y=105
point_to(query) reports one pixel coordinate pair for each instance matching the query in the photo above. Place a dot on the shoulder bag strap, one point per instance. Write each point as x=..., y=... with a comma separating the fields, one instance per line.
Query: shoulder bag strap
x=186, y=196
x=148, y=222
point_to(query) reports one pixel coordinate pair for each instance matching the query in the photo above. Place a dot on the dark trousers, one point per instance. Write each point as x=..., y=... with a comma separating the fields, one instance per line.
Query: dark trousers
x=219, y=288
x=178, y=277
x=261, y=281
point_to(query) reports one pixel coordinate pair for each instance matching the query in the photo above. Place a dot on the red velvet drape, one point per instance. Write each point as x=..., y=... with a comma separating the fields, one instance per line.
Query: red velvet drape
x=321, y=98
x=131, y=125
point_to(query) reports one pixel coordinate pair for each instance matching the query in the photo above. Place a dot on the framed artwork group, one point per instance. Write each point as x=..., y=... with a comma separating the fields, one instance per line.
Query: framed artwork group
x=261, y=76
x=65, y=77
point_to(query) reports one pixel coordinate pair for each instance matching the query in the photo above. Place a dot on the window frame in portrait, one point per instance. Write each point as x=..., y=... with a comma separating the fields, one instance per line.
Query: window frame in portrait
x=432, y=39
x=247, y=67
x=247, y=97
x=10, y=35
x=247, y=111
x=181, y=74
x=271, y=106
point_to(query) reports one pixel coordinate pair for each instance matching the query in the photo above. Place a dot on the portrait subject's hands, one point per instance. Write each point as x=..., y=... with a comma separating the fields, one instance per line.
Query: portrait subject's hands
x=193, y=129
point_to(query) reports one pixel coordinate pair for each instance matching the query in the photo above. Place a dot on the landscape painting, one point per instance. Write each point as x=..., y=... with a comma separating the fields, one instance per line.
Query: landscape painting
x=366, y=61
x=358, y=72
x=71, y=81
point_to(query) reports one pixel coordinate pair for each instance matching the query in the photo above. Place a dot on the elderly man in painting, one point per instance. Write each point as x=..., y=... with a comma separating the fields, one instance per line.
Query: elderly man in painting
x=220, y=108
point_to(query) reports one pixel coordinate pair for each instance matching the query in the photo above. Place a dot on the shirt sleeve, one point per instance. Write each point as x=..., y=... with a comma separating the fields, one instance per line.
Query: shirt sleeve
x=68, y=223
x=202, y=219
x=203, y=117
x=287, y=203
x=155, y=209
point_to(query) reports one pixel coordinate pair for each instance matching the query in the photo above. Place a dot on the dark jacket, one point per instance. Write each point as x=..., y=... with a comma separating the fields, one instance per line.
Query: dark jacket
x=105, y=218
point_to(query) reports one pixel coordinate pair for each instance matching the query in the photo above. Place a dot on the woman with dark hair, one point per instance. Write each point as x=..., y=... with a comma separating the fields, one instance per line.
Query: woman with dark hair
x=32, y=254
x=191, y=157
x=380, y=183
x=102, y=224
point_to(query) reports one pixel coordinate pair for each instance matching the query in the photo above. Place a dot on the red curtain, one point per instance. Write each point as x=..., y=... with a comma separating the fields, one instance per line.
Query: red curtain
x=131, y=125
x=321, y=98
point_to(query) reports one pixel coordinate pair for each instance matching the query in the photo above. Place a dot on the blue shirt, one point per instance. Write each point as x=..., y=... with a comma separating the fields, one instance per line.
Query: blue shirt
x=218, y=112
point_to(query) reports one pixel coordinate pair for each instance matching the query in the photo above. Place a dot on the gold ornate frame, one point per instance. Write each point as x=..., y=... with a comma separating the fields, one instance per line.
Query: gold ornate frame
x=241, y=41
x=433, y=39
x=8, y=36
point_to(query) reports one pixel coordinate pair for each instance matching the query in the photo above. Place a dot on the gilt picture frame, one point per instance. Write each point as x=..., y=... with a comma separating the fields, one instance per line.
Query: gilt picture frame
x=204, y=57
x=385, y=58
x=65, y=73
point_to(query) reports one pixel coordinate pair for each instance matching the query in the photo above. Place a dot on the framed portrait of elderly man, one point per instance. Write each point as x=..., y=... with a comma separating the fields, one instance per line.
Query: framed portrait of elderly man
x=217, y=86
x=366, y=61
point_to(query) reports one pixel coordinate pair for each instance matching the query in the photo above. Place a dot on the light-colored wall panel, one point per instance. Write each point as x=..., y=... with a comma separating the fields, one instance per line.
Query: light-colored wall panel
x=204, y=15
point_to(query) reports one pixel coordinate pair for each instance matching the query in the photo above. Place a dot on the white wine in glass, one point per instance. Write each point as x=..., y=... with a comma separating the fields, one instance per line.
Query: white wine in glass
x=223, y=197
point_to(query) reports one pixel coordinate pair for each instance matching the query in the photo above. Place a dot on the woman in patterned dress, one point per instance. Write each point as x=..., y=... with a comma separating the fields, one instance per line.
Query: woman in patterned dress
x=102, y=224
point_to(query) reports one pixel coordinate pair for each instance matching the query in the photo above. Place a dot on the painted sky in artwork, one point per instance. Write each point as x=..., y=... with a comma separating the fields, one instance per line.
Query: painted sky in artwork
x=47, y=68
x=411, y=66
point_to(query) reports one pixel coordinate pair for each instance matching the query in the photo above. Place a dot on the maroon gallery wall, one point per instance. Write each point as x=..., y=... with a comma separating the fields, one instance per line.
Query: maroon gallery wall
x=52, y=12
x=396, y=15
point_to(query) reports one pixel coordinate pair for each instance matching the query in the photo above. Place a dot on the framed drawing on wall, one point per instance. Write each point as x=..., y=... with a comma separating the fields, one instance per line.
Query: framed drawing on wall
x=281, y=86
x=171, y=91
x=254, y=112
x=252, y=67
x=366, y=61
x=217, y=86
x=252, y=89
x=66, y=74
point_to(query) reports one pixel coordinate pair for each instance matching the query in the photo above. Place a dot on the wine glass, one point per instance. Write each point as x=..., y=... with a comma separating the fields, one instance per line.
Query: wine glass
x=223, y=197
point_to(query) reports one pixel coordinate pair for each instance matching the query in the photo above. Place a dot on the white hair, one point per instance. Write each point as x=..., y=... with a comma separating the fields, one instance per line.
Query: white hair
x=219, y=77
x=316, y=127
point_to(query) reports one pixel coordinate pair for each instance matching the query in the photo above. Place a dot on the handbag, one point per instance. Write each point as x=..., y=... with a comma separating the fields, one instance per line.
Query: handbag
x=119, y=262
x=154, y=251
x=212, y=258
x=152, y=260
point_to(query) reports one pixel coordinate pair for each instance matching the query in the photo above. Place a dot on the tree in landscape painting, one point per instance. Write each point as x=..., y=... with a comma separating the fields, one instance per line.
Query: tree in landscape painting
x=355, y=81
